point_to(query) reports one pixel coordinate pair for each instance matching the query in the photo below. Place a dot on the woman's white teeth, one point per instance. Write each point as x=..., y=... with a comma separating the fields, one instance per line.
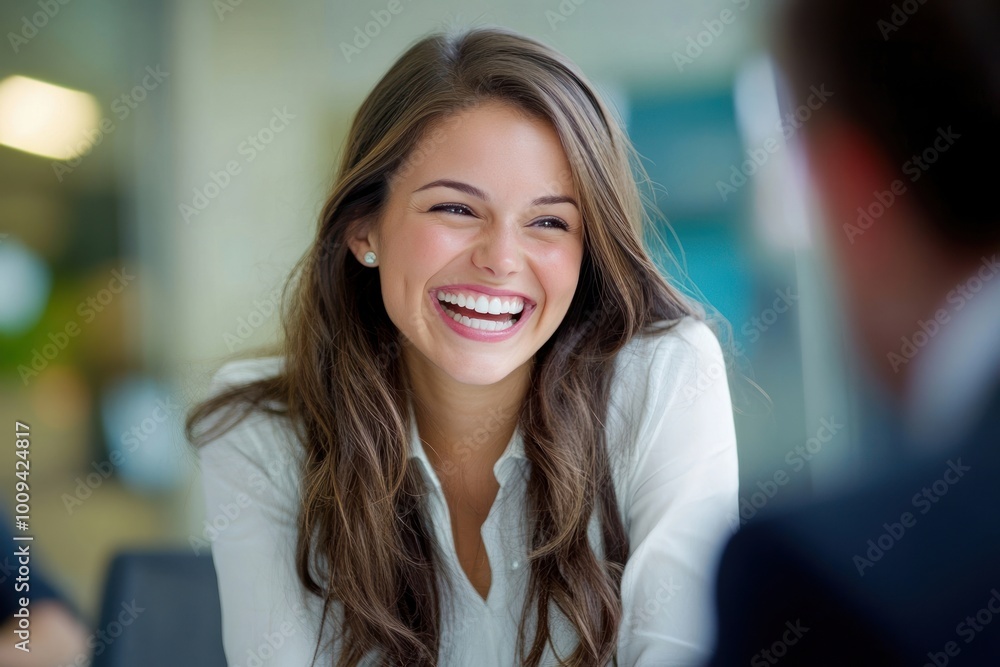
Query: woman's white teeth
x=474, y=323
x=482, y=304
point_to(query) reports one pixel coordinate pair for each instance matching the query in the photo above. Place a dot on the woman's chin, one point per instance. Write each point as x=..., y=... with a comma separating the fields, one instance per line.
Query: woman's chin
x=481, y=376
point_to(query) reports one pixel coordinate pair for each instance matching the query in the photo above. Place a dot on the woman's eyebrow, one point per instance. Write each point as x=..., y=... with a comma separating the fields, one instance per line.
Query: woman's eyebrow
x=455, y=185
x=473, y=191
x=555, y=199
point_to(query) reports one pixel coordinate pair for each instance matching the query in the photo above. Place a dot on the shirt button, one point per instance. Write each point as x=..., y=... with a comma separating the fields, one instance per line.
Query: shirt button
x=515, y=565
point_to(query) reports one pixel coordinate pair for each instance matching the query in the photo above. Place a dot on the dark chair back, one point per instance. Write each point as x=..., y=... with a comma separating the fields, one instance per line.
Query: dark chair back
x=160, y=609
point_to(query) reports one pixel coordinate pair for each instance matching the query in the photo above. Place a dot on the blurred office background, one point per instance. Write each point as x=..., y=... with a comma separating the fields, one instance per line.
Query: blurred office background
x=163, y=165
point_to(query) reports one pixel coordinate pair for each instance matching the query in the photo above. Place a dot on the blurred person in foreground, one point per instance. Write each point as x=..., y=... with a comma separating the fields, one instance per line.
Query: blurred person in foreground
x=905, y=569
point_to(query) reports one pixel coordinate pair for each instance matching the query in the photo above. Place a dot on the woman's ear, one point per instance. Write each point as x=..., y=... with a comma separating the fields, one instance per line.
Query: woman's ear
x=361, y=238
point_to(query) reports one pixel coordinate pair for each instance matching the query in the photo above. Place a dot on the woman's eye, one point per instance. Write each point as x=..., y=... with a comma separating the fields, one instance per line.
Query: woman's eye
x=457, y=209
x=462, y=209
x=555, y=222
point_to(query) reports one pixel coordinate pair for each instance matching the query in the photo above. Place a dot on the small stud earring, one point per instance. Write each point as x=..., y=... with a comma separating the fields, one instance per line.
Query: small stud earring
x=369, y=257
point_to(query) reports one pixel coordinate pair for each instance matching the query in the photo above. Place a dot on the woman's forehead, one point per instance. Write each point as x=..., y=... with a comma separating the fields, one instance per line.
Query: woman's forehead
x=493, y=148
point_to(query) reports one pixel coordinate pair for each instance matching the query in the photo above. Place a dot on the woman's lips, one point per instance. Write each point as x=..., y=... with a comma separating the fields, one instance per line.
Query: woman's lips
x=482, y=335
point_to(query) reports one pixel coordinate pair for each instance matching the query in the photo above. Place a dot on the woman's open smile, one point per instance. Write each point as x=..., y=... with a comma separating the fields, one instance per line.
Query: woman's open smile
x=479, y=317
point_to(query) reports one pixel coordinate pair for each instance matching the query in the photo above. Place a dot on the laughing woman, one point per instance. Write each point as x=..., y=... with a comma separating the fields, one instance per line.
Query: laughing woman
x=495, y=434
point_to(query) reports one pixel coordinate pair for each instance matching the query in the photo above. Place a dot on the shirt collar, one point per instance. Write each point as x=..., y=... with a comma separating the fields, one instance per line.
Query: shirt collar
x=514, y=451
x=952, y=375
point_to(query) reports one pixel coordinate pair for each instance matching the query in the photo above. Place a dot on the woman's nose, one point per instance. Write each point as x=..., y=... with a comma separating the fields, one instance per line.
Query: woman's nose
x=499, y=251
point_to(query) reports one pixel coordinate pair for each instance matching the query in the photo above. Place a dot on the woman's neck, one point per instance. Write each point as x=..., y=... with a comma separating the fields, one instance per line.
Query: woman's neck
x=465, y=426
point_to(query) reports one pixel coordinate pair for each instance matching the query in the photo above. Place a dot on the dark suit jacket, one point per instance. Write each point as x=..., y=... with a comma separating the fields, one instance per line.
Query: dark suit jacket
x=902, y=571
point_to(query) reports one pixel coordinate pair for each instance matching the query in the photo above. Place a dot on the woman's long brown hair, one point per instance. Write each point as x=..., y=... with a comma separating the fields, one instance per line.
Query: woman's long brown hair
x=363, y=536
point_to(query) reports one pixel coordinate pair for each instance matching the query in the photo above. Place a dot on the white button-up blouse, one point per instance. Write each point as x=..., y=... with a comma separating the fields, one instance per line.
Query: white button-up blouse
x=672, y=445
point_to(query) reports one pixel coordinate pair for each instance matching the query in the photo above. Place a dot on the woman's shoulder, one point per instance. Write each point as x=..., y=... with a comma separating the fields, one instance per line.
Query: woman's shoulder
x=671, y=352
x=243, y=371
x=259, y=439
x=670, y=412
x=658, y=375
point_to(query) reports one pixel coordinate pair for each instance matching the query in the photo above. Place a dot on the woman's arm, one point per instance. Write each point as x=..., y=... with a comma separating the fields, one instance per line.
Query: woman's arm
x=249, y=476
x=681, y=501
